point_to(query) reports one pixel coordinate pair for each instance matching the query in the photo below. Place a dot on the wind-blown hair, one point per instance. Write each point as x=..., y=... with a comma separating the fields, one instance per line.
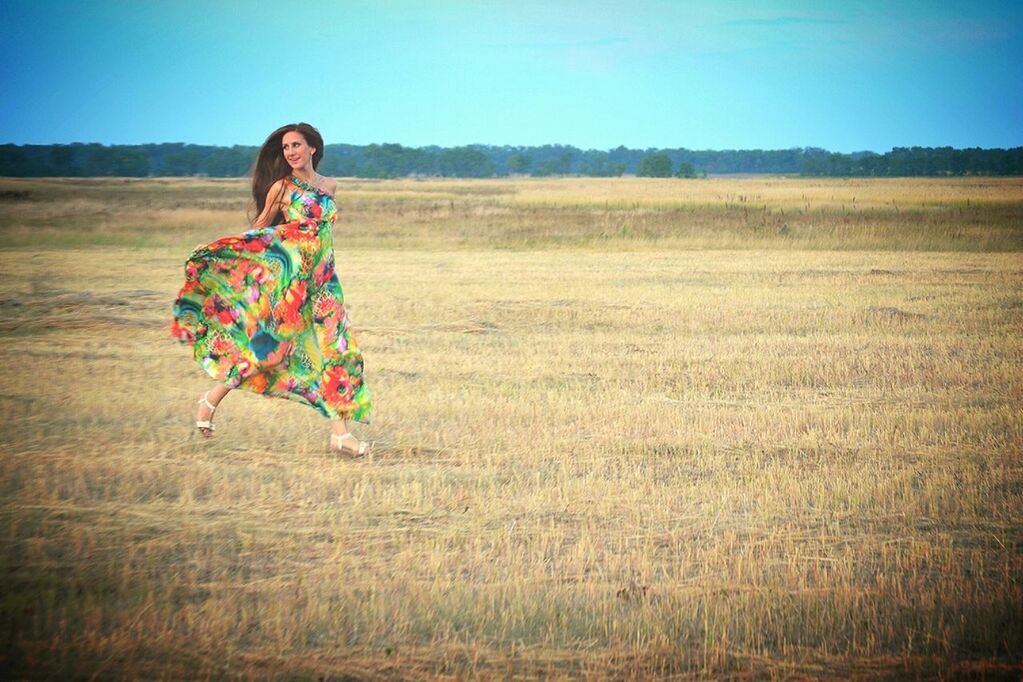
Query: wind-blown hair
x=270, y=165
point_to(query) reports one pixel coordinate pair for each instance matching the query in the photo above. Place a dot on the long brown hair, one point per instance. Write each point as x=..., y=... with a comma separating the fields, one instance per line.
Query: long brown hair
x=270, y=165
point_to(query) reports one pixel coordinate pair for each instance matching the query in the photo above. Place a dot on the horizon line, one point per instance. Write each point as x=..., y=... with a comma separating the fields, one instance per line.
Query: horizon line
x=520, y=146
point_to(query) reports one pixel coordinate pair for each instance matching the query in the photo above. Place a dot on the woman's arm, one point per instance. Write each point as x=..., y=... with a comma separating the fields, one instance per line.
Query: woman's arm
x=272, y=205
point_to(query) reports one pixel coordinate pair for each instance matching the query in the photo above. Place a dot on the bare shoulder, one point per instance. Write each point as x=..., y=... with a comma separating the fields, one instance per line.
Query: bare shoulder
x=274, y=202
x=276, y=187
x=330, y=186
x=275, y=194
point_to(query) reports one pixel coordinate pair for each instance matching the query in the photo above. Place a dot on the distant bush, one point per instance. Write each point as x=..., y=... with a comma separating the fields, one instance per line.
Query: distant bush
x=655, y=166
x=685, y=170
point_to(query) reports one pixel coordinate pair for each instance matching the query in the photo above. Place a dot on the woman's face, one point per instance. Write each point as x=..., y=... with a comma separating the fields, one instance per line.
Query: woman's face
x=297, y=152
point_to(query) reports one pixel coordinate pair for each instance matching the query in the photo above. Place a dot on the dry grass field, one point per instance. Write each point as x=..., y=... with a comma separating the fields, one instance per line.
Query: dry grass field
x=626, y=428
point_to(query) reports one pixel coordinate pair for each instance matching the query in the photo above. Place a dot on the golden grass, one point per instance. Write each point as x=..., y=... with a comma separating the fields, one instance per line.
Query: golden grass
x=530, y=213
x=618, y=457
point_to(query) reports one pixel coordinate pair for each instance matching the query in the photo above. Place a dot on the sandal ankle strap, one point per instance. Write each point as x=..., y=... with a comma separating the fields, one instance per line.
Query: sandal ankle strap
x=203, y=400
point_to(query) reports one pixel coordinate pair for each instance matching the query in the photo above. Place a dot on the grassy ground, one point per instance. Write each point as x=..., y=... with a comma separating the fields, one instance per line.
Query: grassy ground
x=625, y=428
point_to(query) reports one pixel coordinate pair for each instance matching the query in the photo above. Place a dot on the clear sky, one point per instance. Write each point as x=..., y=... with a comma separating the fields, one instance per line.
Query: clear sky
x=707, y=74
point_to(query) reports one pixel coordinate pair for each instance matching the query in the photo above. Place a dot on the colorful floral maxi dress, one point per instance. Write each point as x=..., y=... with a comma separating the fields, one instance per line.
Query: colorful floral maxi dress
x=264, y=311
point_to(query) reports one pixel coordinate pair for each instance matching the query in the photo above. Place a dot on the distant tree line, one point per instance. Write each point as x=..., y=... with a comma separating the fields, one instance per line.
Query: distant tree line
x=479, y=161
x=913, y=161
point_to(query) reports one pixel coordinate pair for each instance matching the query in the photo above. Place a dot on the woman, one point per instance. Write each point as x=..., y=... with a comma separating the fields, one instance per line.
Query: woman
x=264, y=310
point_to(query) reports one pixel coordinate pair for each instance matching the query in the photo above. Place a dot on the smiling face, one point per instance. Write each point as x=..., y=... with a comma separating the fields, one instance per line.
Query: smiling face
x=297, y=151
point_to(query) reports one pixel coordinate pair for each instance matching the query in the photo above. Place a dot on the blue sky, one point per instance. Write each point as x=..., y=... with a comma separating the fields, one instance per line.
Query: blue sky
x=725, y=74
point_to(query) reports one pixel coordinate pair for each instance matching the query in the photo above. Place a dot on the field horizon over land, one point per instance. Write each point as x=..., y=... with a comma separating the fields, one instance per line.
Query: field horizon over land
x=625, y=428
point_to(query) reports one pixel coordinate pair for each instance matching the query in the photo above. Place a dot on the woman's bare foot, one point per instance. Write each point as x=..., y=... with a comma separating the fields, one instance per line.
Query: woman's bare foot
x=207, y=406
x=349, y=445
x=204, y=416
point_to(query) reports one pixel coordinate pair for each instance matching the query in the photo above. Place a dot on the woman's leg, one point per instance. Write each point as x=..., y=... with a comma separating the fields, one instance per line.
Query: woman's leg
x=214, y=395
x=339, y=428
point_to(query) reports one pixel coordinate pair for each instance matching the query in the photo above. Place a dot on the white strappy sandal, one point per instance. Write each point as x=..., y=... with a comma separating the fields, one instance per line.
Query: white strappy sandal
x=364, y=448
x=206, y=427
